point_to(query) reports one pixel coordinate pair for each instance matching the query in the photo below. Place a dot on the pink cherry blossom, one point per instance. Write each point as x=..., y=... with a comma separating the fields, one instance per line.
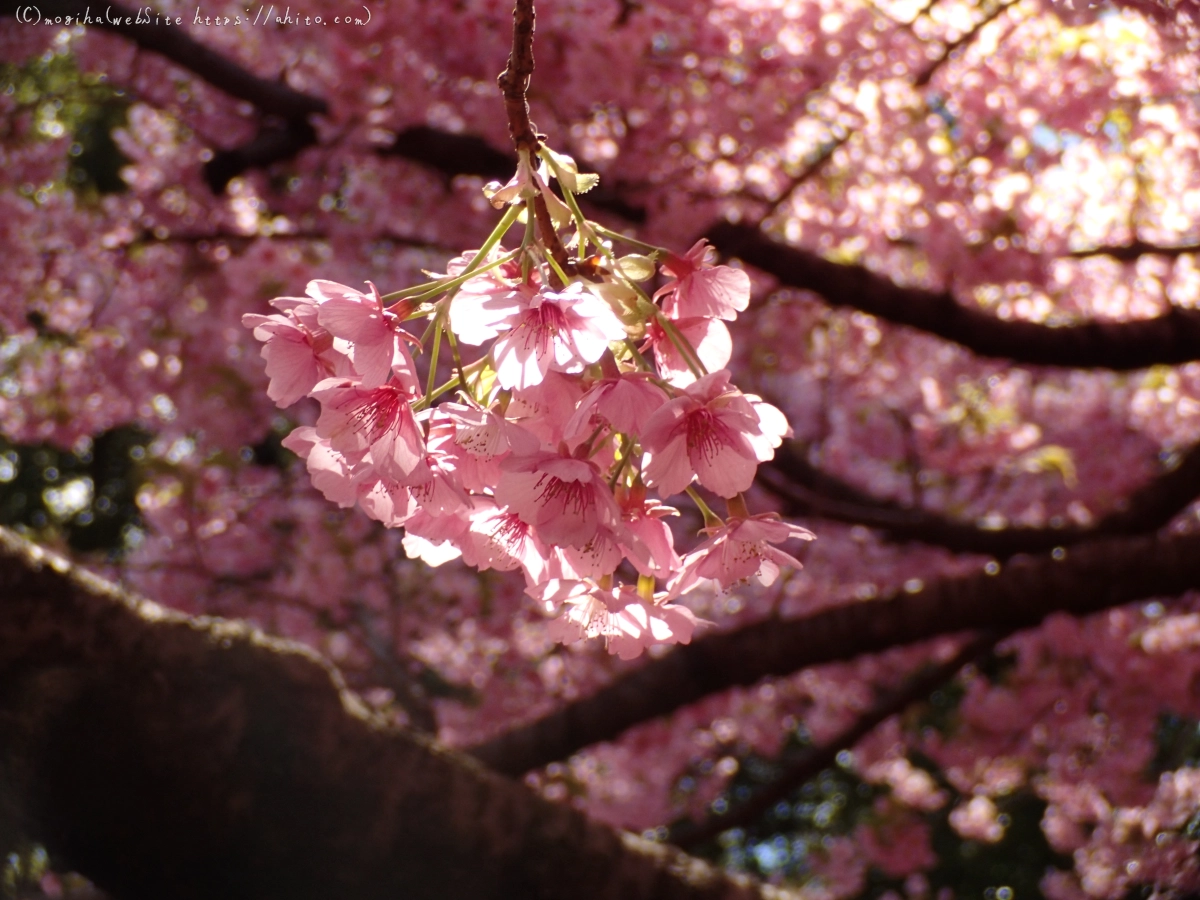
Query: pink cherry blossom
x=292, y=361
x=436, y=535
x=565, y=499
x=442, y=493
x=773, y=427
x=741, y=549
x=656, y=542
x=702, y=289
x=703, y=433
x=554, y=330
x=376, y=423
x=345, y=484
x=502, y=541
x=331, y=474
x=544, y=409
x=377, y=340
x=626, y=401
x=387, y=502
x=708, y=337
x=627, y=622
x=601, y=555
x=486, y=305
x=478, y=439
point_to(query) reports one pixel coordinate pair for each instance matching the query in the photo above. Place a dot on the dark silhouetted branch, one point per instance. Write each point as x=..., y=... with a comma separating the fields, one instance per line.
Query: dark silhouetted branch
x=812, y=760
x=453, y=154
x=1166, y=340
x=275, y=141
x=1084, y=579
x=807, y=491
x=468, y=154
x=162, y=756
x=1134, y=251
x=926, y=75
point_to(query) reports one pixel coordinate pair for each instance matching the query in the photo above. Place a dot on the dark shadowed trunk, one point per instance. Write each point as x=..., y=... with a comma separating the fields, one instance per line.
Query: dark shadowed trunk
x=163, y=756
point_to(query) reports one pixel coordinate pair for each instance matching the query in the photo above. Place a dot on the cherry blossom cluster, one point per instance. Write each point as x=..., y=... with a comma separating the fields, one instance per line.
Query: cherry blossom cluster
x=545, y=452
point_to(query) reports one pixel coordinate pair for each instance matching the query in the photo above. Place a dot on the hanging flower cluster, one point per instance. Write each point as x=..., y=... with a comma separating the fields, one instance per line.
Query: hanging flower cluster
x=545, y=452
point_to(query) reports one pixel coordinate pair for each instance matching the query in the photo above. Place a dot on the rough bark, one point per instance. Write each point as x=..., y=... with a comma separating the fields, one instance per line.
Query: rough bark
x=164, y=756
x=1084, y=579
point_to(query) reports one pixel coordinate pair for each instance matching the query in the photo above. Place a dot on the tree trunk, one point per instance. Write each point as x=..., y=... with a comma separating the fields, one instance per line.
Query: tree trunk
x=163, y=756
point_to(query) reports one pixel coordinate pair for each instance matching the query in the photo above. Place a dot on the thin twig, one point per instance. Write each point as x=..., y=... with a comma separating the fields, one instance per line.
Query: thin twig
x=812, y=761
x=550, y=238
x=514, y=86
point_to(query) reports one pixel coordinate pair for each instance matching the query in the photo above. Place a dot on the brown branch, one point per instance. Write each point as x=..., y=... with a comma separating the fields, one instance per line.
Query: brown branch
x=808, y=491
x=514, y=85
x=1168, y=339
x=514, y=80
x=162, y=756
x=147, y=236
x=1084, y=579
x=814, y=759
x=1134, y=251
x=926, y=75
x=275, y=142
x=468, y=154
x=452, y=154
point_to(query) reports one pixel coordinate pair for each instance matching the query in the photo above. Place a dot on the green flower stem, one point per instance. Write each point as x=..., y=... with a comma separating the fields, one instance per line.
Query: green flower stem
x=527, y=241
x=510, y=216
x=643, y=363
x=586, y=228
x=427, y=401
x=589, y=444
x=736, y=506
x=682, y=344
x=711, y=519
x=562, y=276
x=435, y=287
x=428, y=332
x=623, y=453
x=462, y=378
x=439, y=327
x=645, y=587
x=633, y=242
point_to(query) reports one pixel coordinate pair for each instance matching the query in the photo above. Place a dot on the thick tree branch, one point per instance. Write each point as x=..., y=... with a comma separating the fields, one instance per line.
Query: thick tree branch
x=1166, y=340
x=164, y=756
x=1085, y=579
x=808, y=491
x=452, y=154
